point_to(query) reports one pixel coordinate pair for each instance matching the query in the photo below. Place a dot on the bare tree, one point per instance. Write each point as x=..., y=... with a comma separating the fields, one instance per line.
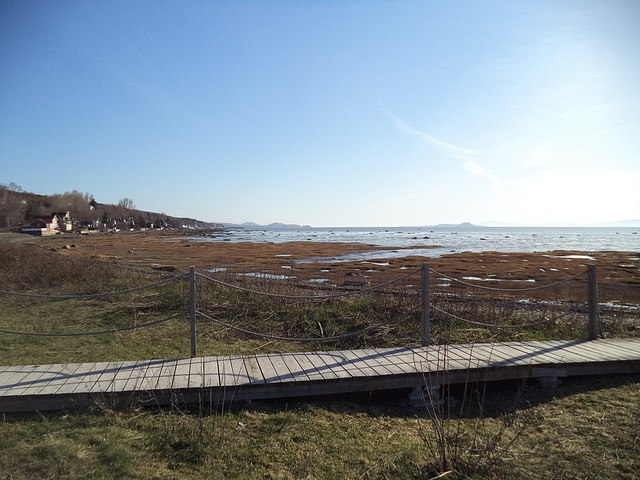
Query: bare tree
x=127, y=204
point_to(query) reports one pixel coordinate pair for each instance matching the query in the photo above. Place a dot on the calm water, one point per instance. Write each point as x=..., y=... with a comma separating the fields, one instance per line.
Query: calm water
x=450, y=239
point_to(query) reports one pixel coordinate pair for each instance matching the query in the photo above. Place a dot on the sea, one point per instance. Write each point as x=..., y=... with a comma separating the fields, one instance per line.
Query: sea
x=435, y=241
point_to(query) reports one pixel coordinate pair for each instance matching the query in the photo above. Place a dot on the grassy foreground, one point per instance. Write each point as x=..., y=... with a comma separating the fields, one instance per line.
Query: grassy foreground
x=583, y=429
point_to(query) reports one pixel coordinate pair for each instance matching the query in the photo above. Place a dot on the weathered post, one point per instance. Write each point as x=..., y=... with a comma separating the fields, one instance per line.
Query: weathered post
x=192, y=308
x=425, y=305
x=594, y=317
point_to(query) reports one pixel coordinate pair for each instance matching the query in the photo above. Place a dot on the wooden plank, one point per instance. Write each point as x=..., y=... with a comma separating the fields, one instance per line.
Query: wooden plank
x=142, y=376
x=121, y=376
x=19, y=381
x=313, y=374
x=12, y=376
x=181, y=375
x=65, y=374
x=211, y=373
x=346, y=361
x=106, y=378
x=376, y=361
x=411, y=360
x=330, y=362
x=233, y=372
x=503, y=354
x=75, y=378
x=321, y=366
x=345, y=371
x=465, y=357
x=623, y=351
x=254, y=374
x=133, y=377
x=38, y=379
x=597, y=351
x=526, y=354
x=296, y=373
x=269, y=372
x=589, y=352
x=395, y=361
x=87, y=375
x=358, y=365
x=196, y=374
x=286, y=372
x=166, y=375
x=557, y=352
x=438, y=358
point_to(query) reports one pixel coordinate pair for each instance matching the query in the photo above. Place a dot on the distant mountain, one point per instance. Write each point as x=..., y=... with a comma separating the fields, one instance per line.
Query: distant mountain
x=456, y=225
x=271, y=226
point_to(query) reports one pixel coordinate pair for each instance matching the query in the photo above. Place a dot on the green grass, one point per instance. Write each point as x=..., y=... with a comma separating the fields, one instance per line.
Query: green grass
x=583, y=429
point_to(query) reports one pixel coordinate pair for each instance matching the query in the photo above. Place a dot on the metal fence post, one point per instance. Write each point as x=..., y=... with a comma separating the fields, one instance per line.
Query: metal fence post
x=594, y=317
x=192, y=308
x=425, y=305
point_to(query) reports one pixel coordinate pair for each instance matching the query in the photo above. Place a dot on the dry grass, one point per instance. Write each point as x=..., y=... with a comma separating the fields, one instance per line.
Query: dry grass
x=583, y=429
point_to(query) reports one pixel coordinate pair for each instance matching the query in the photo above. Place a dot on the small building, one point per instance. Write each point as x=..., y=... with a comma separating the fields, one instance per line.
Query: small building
x=43, y=225
x=65, y=224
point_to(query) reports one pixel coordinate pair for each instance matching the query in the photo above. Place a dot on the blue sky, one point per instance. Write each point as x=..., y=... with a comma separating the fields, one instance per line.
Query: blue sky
x=329, y=113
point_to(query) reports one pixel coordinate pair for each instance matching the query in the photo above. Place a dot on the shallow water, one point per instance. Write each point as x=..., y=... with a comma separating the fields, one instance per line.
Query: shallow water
x=408, y=240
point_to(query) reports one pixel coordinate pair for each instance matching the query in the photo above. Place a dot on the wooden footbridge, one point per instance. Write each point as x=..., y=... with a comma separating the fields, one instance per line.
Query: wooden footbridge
x=243, y=378
x=229, y=379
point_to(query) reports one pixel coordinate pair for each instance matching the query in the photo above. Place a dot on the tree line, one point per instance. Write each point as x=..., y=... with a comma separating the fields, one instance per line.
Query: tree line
x=19, y=208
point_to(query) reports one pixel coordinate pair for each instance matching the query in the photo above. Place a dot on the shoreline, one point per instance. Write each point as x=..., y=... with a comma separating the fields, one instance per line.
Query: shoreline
x=176, y=251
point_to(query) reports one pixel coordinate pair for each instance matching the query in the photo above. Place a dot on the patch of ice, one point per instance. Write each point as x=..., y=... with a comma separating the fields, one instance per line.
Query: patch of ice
x=577, y=257
x=266, y=275
x=478, y=279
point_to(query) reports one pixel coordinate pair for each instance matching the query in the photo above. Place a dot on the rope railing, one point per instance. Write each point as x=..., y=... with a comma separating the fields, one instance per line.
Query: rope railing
x=425, y=305
x=493, y=325
x=315, y=339
x=308, y=297
x=484, y=287
x=101, y=332
x=93, y=295
x=593, y=325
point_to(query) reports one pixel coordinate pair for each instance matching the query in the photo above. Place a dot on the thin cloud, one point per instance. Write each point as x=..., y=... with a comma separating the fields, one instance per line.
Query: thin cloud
x=467, y=155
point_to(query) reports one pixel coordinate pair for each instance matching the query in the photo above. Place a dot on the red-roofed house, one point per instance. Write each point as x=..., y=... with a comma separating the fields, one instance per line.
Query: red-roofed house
x=43, y=225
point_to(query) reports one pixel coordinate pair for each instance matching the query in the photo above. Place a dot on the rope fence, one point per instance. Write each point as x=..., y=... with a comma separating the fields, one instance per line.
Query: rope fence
x=496, y=289
x=94, y=295
x=594, y=329
x=492, y=325
x=309, y=297
x=101, y=332
x=315, y=339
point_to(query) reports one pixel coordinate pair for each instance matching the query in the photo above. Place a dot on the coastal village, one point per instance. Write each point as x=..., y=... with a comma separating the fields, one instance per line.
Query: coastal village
x=44, y=215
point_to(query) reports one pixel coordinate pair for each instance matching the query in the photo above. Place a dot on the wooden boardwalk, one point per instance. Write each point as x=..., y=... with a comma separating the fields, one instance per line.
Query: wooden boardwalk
x=251, y=377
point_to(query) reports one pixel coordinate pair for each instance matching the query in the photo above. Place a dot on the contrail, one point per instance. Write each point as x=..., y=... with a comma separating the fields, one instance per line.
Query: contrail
x=469, y=156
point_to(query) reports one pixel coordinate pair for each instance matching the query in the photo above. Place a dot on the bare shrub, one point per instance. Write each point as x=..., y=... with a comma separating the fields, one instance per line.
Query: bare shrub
x=32, y=267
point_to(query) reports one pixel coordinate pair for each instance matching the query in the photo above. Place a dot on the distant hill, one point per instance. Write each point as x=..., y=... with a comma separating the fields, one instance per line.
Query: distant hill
x=456, y=225
x=18, y=208
x=271, y=226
